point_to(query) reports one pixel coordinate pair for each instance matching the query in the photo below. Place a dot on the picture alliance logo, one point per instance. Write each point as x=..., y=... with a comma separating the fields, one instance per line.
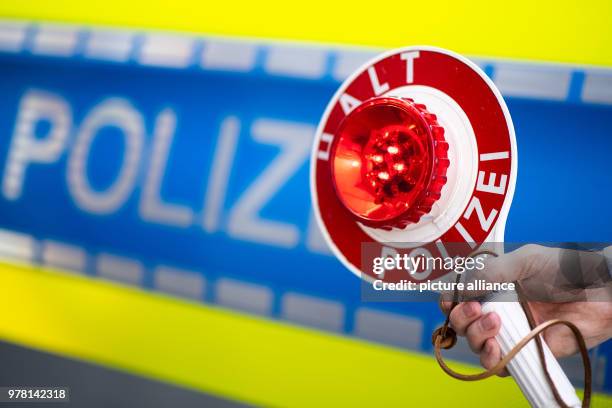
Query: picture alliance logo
x=422, y=263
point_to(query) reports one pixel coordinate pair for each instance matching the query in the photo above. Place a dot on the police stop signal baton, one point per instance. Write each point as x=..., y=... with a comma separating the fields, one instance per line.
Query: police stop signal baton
x=418, y=146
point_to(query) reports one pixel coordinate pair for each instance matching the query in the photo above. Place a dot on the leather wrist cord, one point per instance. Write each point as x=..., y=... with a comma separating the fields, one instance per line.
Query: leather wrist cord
x=445, y=338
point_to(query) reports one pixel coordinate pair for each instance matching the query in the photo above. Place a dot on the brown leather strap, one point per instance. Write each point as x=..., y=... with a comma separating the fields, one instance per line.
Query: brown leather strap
x=445, y=337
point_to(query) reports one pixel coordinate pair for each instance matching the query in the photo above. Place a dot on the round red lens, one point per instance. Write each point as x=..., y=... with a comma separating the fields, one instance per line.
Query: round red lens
x=384, y=161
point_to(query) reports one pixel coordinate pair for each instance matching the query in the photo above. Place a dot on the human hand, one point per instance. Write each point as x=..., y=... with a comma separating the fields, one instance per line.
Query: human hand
x=535, y=268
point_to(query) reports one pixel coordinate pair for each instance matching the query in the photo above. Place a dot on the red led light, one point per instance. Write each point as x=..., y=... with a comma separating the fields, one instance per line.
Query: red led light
x=389, y=162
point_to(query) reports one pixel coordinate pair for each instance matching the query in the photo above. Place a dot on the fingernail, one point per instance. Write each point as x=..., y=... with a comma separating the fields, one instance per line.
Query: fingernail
x=469, y=309
x=488, y=323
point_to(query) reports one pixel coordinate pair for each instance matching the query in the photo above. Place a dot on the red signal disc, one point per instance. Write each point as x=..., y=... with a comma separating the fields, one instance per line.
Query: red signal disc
x=345, y=224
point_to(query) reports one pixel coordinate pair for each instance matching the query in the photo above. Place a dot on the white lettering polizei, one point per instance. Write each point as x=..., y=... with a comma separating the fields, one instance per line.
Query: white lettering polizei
x=294, y=140
x=26, y=148
x=111, y=112
x=152, y=207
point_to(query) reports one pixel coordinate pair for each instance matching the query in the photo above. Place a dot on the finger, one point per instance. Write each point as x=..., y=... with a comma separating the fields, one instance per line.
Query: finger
x=445, y=305
x=491, y=355
x=482, y=329
x=463, y=315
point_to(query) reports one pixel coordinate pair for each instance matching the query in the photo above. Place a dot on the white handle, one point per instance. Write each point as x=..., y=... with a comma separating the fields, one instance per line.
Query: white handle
x=526, y=367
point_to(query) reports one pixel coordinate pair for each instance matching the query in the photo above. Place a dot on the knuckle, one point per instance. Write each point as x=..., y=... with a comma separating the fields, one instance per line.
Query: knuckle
x=458, y=320
x=530, y=252
x=530, y=257
x=530, y=249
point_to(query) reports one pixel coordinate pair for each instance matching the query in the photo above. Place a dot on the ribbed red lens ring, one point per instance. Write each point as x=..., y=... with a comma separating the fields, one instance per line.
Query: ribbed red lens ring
x=389, y=161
